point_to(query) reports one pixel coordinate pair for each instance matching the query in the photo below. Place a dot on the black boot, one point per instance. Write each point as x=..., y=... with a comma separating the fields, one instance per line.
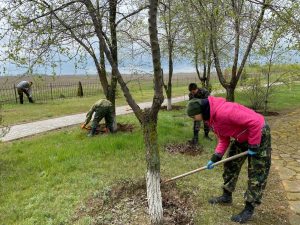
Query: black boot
x=226, y=198
x=92, y=132
x=30, y=100
x=207, y=137
x=245, y=215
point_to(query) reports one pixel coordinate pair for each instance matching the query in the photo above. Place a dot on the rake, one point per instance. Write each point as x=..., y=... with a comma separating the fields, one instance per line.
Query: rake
x=205, y=167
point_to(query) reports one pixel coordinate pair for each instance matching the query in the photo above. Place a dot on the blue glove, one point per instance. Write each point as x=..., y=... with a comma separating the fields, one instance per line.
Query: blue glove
x=251, y=153
x=210, y=165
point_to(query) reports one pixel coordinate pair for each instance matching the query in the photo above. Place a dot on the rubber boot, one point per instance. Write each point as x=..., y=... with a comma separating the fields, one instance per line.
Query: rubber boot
x=30, y=100
x=21, y=99
x=226, y=198
x=111, y=129
x=245, y=215
x=92, y=132
x=207, y=137
x=195, y=139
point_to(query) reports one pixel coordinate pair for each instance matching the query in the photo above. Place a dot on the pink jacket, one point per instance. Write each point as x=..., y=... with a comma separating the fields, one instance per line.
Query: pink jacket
x=232, y=120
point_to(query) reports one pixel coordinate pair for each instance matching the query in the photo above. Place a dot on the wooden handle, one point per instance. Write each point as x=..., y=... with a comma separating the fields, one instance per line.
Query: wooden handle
x=205, y=167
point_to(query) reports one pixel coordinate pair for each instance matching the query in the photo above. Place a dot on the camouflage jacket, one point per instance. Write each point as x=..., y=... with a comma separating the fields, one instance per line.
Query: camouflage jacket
x=202, y=93
x=98, y=105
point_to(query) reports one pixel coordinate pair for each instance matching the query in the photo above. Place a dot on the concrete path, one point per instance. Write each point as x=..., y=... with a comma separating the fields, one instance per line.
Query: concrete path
x=28, y=129
x=286, y=157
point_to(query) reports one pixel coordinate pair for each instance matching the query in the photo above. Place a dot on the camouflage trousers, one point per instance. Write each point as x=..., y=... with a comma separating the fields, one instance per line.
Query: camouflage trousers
x=258, y=168
x=106, y=113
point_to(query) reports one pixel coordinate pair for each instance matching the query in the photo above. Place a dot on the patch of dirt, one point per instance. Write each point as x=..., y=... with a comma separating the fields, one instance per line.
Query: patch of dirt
x=174, y=107
x=120, y=128
x=126, y=204
x=184, y=148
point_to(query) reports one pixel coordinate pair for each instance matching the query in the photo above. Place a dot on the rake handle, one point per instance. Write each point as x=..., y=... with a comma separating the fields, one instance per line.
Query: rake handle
x=205, y=167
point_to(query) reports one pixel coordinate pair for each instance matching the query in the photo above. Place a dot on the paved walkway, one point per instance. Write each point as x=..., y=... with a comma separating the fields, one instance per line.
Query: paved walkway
x=29, y=129
x=286, y=157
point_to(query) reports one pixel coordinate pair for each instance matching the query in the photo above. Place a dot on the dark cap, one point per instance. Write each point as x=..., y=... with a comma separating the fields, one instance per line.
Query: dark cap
x=194, y=107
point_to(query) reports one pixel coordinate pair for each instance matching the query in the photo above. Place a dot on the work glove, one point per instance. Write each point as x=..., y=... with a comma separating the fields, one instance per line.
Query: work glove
x=210, y=165
x=215, y=158
x=83, y=126
x=251, y=152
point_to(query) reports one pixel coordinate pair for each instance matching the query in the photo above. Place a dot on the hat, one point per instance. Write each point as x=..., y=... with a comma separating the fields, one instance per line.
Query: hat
x=194, y=107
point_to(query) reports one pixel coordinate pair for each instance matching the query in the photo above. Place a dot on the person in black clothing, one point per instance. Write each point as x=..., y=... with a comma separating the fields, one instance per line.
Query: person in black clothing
x=200, y=93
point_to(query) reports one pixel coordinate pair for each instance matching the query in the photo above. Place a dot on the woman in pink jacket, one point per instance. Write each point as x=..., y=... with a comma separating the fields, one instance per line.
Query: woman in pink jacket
x=241, y=129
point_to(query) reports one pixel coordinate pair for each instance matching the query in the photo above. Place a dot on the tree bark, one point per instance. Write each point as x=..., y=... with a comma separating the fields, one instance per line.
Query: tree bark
x=114, y=52
x=150, y=123
x=153, y=168
x=169, y=89
x=230, y=93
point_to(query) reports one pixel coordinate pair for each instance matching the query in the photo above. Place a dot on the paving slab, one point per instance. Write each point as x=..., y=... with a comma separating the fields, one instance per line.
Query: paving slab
x=294, y=219
x=295, y=206
x=286, y=173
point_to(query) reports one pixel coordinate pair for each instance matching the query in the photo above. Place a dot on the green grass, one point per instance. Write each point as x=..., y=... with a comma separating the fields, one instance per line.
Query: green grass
x=282, y=97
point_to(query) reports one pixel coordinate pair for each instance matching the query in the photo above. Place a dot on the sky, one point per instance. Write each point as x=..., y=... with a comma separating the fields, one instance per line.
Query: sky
x=143, y=65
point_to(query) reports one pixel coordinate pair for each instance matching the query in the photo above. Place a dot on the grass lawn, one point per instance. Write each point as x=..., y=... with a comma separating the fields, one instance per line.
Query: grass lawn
x=282, y=98
x=45, y=178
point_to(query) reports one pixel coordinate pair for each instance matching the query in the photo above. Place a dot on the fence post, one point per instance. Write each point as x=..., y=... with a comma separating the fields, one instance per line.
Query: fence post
x=51, y=91
x=80, y=91
x=140, y=86
x=15, y=94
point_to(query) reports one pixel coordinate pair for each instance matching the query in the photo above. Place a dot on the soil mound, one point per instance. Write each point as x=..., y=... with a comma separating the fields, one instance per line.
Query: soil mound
x=184, y=148
x=126, y=204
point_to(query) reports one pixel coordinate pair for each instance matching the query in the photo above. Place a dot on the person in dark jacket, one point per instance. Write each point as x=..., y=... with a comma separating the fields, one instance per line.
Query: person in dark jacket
x=199, y=93
x=24, y=87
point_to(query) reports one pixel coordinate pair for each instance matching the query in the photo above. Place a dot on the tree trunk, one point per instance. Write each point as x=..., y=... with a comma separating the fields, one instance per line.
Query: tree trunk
x=230, y=93
x=114, y=51
x=169, y=90
x=153, y=168
x=169, y=105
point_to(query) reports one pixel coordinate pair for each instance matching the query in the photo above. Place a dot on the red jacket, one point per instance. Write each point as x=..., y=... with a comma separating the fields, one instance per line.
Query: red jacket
x=232, y=120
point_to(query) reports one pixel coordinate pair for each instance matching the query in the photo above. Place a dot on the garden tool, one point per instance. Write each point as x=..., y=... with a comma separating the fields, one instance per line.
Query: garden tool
x=205, y=167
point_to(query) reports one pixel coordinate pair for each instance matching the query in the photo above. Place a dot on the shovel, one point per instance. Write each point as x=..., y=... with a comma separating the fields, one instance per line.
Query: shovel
x=205, y=167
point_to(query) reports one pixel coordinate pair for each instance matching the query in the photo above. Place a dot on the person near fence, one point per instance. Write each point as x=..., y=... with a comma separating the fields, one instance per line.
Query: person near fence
x=199, y=93
x=25, y=87
x=101, y=109
x=241, y=129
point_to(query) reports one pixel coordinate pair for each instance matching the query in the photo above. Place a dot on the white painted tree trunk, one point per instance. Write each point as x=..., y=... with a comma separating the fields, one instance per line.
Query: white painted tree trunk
x=169, y=106
x=115, y=127
x=154, y=197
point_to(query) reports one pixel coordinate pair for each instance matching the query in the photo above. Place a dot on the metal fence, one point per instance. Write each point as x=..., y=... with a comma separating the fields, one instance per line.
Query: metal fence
x=47, y=91
x=52, y=91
